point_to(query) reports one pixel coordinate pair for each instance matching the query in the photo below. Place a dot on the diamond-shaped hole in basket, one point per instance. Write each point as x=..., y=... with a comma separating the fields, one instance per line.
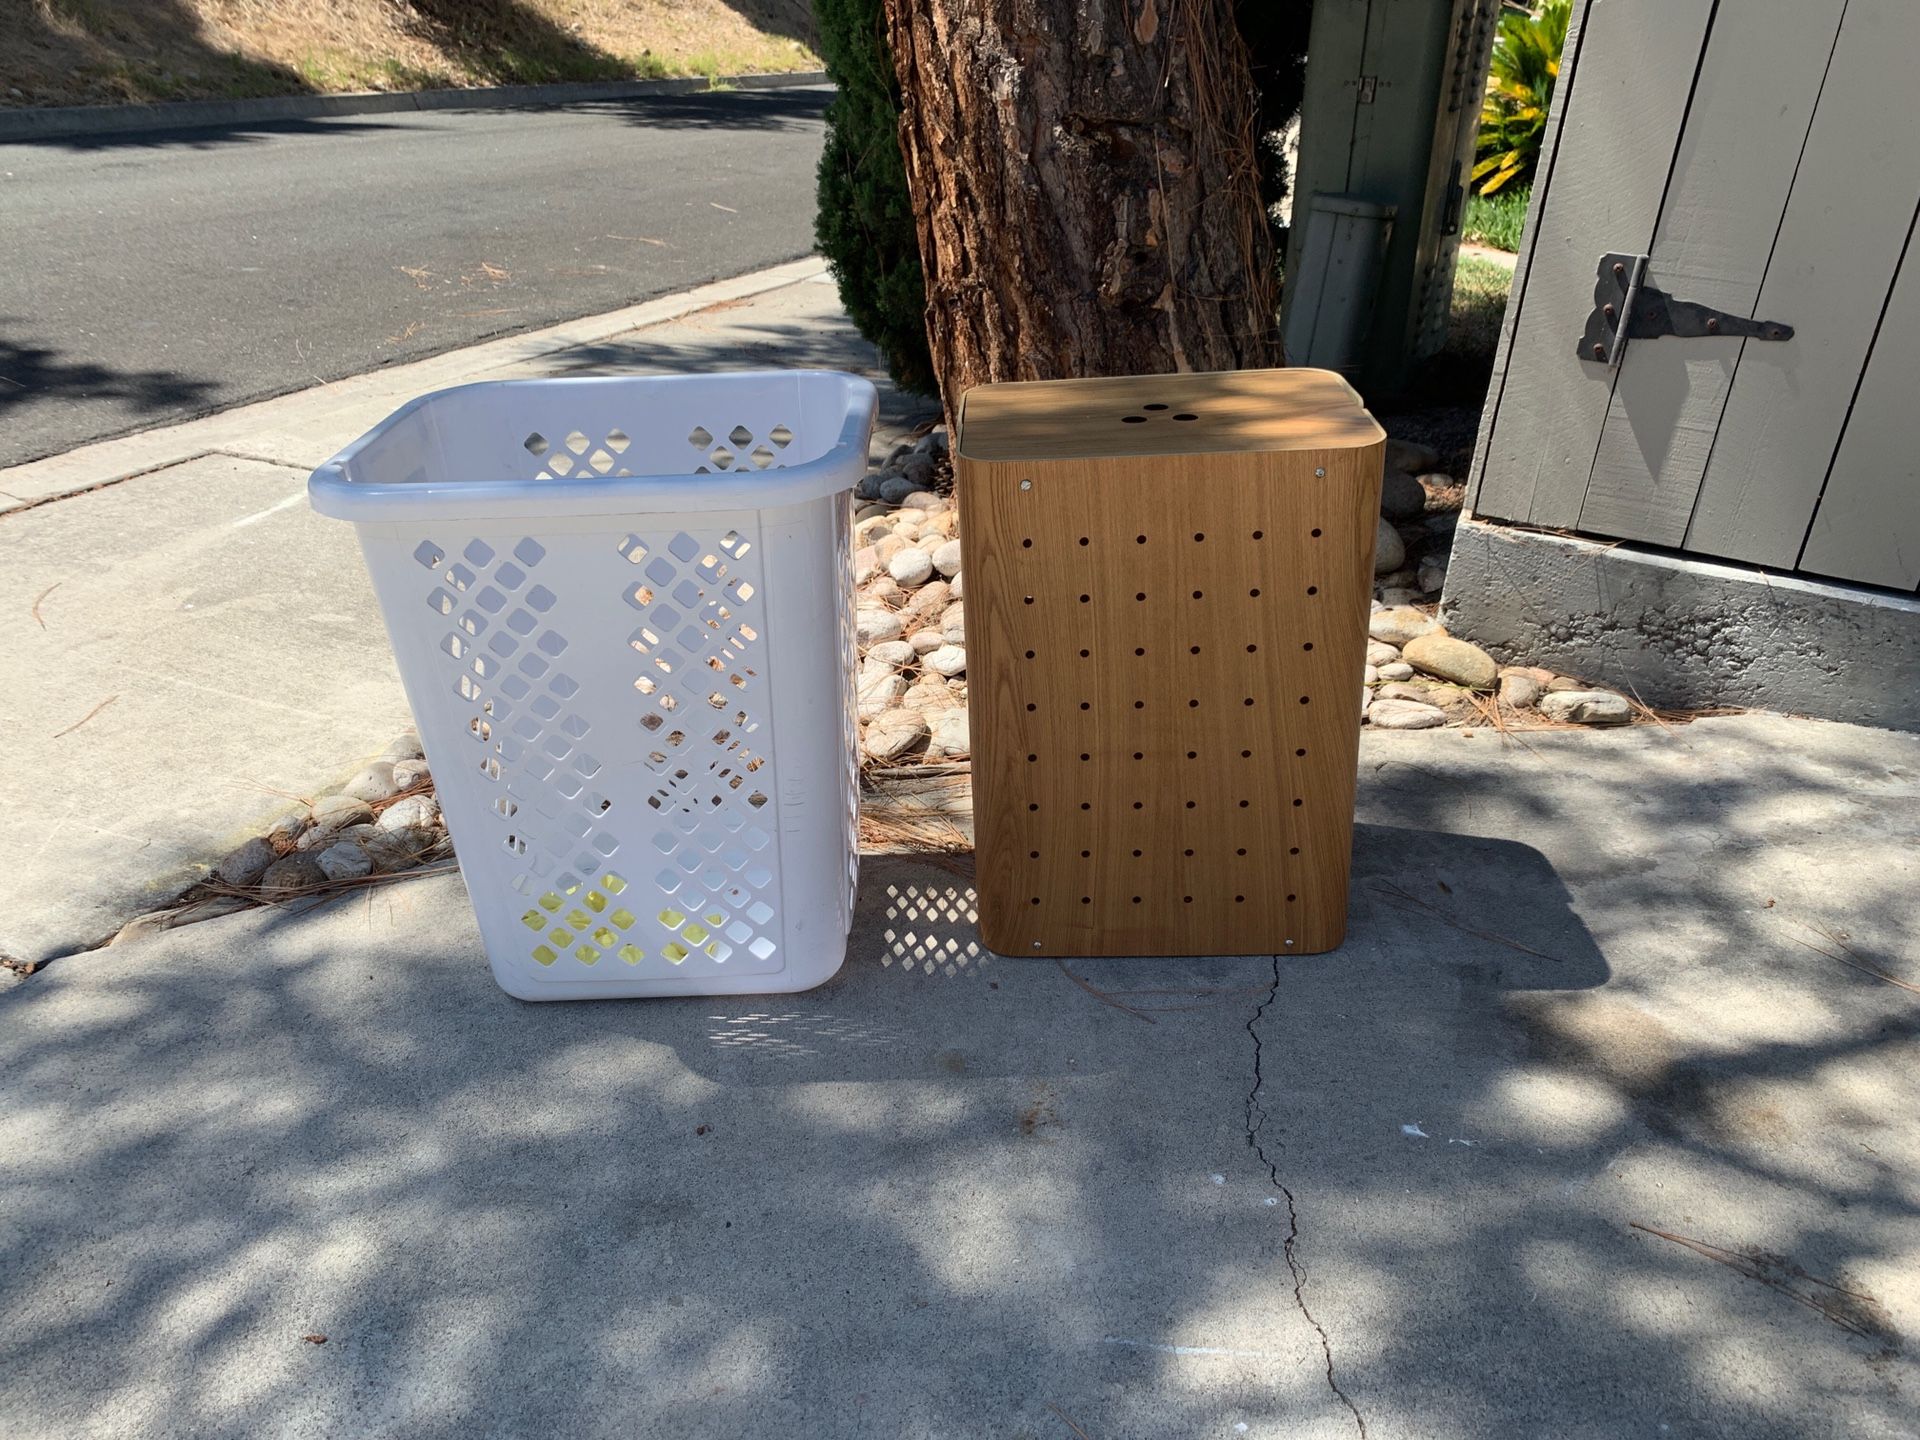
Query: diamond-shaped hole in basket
x=722, y=457
x=762, y=457
x=700, y=437
x=536, y=443
x=781, y=436
x=618, y=441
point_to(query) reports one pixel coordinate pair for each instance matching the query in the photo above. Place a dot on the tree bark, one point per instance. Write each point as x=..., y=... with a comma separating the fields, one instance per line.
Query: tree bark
x=1085, y=187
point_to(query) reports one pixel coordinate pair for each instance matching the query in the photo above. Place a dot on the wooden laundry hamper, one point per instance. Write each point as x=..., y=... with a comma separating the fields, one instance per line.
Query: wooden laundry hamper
x=1168, y=581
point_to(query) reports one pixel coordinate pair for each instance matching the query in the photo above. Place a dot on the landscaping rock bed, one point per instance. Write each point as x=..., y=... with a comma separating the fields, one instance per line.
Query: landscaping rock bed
x=383, y=822
x=911, y=618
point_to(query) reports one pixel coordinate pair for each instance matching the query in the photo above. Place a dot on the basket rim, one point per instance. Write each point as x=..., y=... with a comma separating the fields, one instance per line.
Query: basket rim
x=334, y=491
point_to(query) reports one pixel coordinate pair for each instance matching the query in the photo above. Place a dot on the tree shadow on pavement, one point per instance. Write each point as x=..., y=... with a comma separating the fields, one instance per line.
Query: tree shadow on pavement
x=33, y=374
x=801, y=107
x=933, y=1198
x=207, y=137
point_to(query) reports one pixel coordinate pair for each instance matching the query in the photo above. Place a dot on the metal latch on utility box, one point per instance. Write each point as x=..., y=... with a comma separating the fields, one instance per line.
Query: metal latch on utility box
x=1621, y=290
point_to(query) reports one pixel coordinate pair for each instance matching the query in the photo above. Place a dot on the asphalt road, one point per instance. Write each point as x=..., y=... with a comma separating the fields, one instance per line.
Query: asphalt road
x=145, y=279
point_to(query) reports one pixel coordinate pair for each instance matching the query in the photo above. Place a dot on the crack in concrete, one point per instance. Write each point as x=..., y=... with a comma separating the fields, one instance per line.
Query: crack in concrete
x=1288, y=1249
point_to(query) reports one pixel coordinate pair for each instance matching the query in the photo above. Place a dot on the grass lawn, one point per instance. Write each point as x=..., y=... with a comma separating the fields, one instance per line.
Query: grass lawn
x=1496, y=220
x=92, y=52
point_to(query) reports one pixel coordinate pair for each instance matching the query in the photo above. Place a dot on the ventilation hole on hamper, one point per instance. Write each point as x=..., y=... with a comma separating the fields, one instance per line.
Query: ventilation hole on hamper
x=1243, y=849
x=762, y=457
x=781, y=436
x=1187, y=853
x=1027, y=544
x=740, y=435
x=1301, y=752
x=578, y=443
x=1293, y=850
x=429, y=554
x=1085, y=598
x=1086, y=854
x=1139, y=539
x=722, y=457
x=1313, y=589
x=1133, y=419
x=1183, y=415
x=700, y=437
x=529, y=552
x=1306, y=699
x=1245, y=803
x=1298, y=801
x=536, y=443
x=618, y=441
x=1157, y=405
x=1292, y=898
x=600, y=460
x=1315, y=533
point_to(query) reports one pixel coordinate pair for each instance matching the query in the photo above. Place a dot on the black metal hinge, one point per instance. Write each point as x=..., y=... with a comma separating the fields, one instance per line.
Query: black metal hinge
x=1620, y=290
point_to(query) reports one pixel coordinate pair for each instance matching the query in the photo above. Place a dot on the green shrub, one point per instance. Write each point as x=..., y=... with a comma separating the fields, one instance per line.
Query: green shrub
x=864, y=224
x=1513, y=117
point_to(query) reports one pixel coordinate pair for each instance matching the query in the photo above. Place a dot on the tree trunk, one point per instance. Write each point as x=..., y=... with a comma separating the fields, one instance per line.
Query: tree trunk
x=1085, y=187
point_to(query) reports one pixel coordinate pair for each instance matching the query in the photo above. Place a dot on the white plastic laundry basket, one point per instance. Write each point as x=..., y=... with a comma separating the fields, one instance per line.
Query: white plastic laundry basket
x=622, y=610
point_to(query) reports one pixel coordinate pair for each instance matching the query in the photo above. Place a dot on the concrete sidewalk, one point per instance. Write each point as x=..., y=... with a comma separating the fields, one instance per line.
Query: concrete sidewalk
x=310, y=1173
x=192, y=647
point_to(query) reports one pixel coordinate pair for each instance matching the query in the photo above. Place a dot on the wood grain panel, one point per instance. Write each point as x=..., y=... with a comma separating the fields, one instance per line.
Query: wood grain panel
x=1625, y=99
x=1164, y=663
x=1722, y=210
x=1846, y=221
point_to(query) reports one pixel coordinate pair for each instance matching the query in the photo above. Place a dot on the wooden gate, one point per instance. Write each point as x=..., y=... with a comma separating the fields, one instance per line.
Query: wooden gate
x=1766, y=160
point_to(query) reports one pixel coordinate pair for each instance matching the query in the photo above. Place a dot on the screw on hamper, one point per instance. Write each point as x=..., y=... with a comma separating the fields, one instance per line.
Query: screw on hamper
x=1168, y=580
x=622, y=610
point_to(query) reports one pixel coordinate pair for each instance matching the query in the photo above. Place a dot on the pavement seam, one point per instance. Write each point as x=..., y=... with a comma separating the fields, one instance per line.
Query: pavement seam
x=1256, y=1123
x=39, y=500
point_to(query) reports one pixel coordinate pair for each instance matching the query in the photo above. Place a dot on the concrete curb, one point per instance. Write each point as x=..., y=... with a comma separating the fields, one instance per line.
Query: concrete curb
x=57, y=122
